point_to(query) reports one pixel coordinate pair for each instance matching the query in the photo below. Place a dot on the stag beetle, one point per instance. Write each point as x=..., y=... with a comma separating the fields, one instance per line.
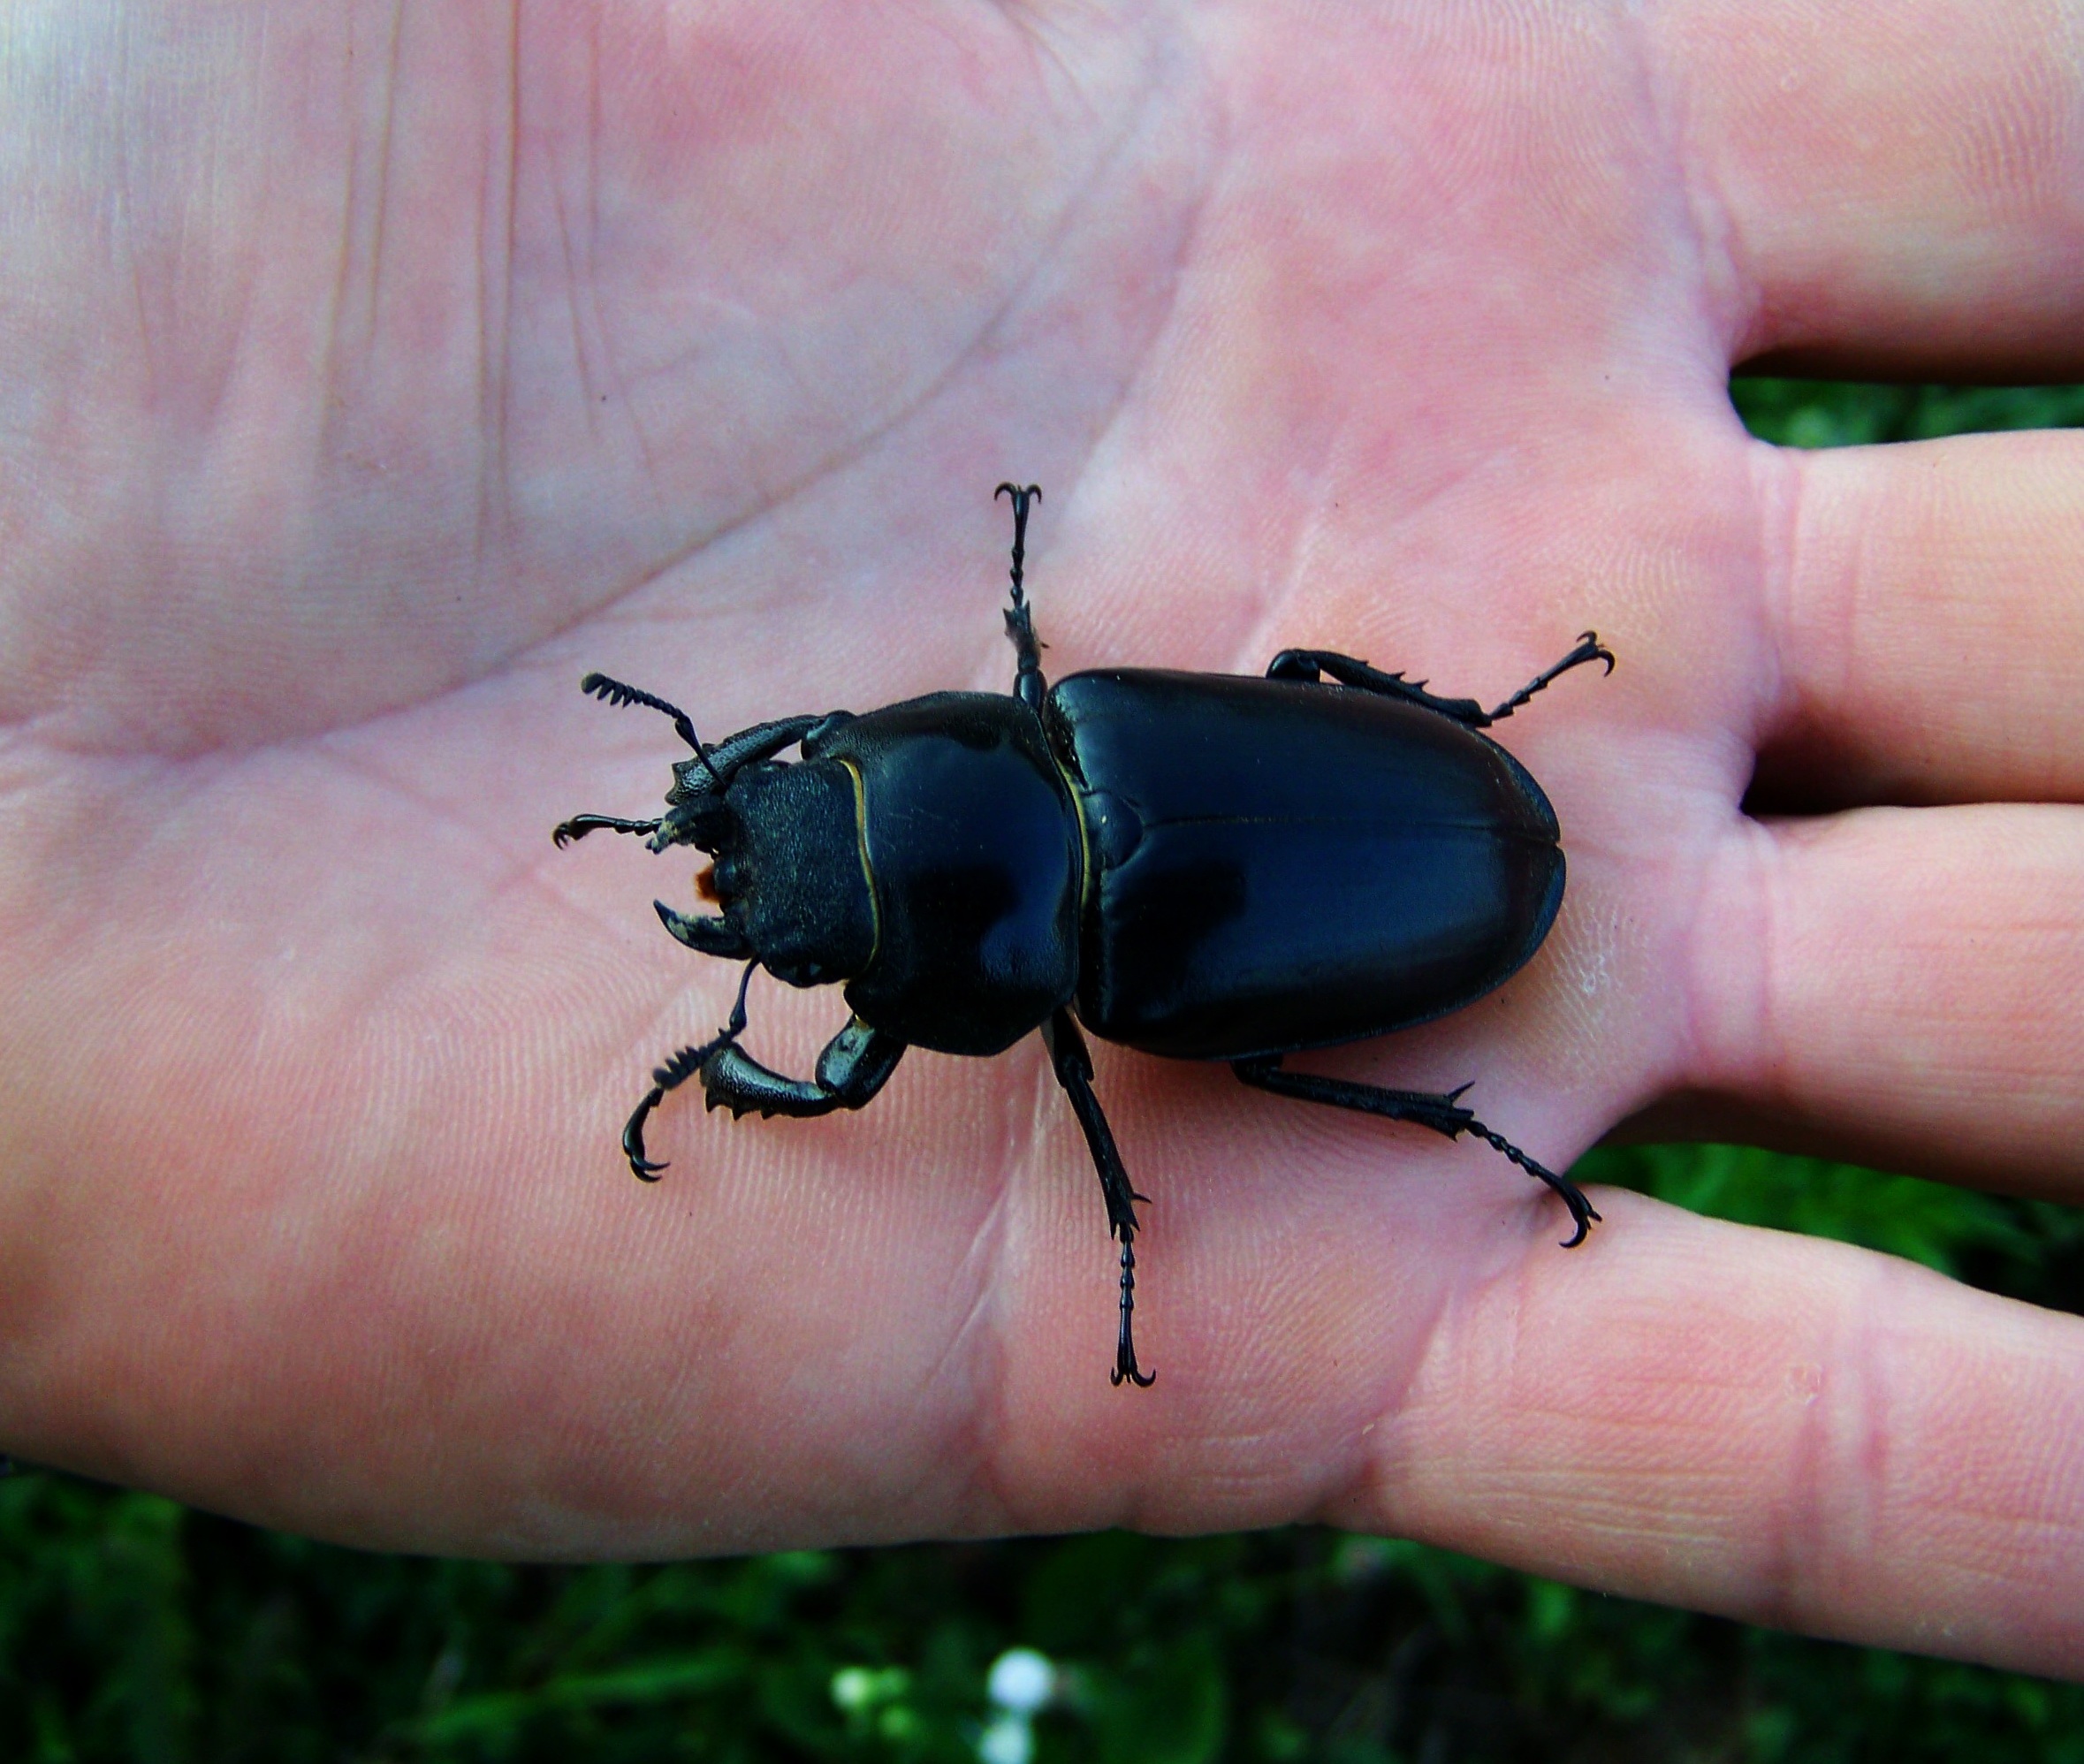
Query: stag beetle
x=1203, y=866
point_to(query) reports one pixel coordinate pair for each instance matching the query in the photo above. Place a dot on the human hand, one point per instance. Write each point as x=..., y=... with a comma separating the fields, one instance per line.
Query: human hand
x=366, y=384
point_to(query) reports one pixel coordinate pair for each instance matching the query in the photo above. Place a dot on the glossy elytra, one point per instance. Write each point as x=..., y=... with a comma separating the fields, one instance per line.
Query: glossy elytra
x=1203, y=866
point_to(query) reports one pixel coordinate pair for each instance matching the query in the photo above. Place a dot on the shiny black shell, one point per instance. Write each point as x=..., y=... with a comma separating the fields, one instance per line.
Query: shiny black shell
x=1278, y=865
x=971, y=844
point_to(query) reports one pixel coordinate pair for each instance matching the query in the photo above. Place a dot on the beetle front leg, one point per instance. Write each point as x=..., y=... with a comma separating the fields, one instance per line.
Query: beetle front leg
x=1074, y=1072
x=855, y=1065
x=669, y=1076
x=1441, y=1111
x=580, y=825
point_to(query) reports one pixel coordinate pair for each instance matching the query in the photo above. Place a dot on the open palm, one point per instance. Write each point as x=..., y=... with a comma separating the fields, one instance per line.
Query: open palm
x=366, y=386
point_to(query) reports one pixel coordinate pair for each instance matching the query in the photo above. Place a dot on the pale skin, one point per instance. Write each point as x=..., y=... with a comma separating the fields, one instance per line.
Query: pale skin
x=371, y=377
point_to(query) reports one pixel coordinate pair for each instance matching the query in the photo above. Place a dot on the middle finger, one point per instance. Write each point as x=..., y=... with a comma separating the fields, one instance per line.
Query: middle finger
x=1902, y=986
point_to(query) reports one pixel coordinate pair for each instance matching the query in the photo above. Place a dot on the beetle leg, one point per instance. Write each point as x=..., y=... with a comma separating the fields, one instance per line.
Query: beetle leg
x=672, y=1075
x=1589, y=648
x=580, y=825
x=1313, y=664
x=1582, y=1211
x=1028, y=684
x=1441, y=1111
x=854, y=1066
x=1074, y=1072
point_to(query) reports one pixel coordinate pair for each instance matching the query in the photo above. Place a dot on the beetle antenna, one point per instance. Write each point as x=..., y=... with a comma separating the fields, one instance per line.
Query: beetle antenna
x=1022, y=497
x=615, y=692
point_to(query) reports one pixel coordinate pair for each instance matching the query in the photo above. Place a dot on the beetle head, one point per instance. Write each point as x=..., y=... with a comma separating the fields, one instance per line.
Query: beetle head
x=788, y=872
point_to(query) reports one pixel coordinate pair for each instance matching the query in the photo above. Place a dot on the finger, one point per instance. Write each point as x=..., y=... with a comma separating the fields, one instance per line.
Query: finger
x=1903, y=986
x=1888, y=188
x=1931, y=626
x=1785, y=1430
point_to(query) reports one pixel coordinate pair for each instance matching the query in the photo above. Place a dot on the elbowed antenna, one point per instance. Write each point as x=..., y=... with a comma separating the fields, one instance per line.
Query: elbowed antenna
x=615, y=692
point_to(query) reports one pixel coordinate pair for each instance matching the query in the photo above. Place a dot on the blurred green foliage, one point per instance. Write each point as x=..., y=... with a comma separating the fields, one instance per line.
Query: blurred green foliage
x=1843, y=413
x=133, y=1630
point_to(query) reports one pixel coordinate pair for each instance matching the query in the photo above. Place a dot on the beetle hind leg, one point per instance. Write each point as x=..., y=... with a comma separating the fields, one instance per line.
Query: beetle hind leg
x=1589, y=649
x=1441, y=1111
x=1312, y=665
x=1583, y=1215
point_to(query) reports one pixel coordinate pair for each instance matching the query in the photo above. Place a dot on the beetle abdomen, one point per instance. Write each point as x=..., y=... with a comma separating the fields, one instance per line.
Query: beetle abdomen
x=1281, y=865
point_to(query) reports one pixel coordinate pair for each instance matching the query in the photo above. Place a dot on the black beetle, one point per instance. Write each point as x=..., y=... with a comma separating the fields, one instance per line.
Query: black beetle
x=1205, y=866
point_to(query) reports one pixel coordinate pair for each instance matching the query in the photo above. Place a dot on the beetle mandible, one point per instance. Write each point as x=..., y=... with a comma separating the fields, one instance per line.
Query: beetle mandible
x=1203, y=866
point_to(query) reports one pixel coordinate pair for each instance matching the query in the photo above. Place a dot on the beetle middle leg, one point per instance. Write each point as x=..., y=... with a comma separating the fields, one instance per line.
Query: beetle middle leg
x=1439, y=1110
x=1028, y=684
x=1074, y=1072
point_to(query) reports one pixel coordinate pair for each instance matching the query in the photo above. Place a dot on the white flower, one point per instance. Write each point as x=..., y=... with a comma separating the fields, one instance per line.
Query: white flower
x=1021, y=1681
x=1008, y=1740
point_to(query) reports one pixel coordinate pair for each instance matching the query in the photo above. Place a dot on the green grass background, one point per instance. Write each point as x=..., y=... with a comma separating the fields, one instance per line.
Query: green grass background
x=133, y=1629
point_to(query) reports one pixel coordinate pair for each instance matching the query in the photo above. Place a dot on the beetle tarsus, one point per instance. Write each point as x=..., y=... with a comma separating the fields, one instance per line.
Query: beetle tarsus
x=580, y=825
x=633, y=1139
x=1028, y=684
x=1583, y=1215
x=1023, y=496
x=674, y=1073
x=1126, y=1371
x=1589, y=648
